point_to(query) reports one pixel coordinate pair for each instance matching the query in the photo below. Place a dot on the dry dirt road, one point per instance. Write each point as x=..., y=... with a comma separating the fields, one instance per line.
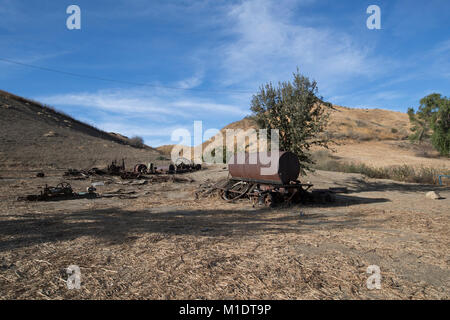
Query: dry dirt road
x=161, y=243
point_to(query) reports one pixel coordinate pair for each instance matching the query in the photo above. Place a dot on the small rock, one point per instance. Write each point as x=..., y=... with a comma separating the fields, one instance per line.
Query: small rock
x=50, y=134
x=433, y=195
x=139, y=182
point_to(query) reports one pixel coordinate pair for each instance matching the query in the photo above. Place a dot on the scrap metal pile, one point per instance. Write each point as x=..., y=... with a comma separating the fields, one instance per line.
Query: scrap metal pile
x=62, y=191
x=181, y=165
x=248, y=180
x=113, y=170
x=140, y=170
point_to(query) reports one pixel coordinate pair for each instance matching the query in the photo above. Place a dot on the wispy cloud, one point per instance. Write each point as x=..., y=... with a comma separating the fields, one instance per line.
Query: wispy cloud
x=147, y=113
x=269, y=45
x=142, y=101
x=218, y=45
x=191, y=82
x=118, y=101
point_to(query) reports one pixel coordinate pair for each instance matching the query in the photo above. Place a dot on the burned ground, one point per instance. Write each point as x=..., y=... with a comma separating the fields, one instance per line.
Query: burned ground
x=161, y=243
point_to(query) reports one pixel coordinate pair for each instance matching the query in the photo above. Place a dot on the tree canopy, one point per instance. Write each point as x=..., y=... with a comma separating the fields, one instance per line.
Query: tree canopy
x=297, y=111
x=432, y=120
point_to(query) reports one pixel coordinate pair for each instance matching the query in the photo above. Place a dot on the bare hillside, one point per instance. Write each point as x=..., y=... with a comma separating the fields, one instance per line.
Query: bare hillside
x=37, y=137
x=348, y=126
x=375, y=137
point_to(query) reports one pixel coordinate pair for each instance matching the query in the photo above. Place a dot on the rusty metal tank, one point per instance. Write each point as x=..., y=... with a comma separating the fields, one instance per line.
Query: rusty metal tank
x=286, y=168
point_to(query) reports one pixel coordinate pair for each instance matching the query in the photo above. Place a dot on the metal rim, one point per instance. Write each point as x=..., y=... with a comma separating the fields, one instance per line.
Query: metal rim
x=236, y=191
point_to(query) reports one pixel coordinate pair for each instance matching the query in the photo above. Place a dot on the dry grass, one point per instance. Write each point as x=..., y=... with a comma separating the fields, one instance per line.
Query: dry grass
x=406, y=173
x=166, y=245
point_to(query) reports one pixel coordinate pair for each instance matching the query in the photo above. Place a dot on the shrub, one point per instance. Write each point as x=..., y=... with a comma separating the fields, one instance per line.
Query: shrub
x=137, y=142
x=432, y=120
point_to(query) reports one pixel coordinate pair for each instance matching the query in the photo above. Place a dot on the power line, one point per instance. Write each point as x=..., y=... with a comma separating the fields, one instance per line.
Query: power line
x=117, y=81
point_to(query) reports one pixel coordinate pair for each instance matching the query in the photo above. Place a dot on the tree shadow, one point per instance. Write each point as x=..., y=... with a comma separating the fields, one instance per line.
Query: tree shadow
x=360, y=185
x=347, y=200
x=115, y=225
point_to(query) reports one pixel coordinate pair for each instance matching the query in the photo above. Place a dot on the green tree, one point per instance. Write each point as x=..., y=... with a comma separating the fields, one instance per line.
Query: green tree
x=297, y=111
x=432, y=120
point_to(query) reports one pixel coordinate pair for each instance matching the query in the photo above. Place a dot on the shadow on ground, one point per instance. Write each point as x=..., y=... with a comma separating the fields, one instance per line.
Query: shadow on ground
x=361, y=185
x=117, y=225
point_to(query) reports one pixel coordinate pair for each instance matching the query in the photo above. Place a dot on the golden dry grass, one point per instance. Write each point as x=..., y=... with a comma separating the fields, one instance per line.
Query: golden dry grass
x=167, y=245
x=374, y=137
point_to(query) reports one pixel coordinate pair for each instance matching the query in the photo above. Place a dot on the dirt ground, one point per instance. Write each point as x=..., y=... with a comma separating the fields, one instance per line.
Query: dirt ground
x=158, y=242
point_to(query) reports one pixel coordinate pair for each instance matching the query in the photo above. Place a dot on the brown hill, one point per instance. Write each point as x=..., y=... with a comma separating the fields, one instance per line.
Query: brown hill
x=347, y=125
x=372, y=136
x=37, y=136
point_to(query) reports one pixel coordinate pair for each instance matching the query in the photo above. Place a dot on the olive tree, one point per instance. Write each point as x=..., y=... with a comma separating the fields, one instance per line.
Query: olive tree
x=298, y=112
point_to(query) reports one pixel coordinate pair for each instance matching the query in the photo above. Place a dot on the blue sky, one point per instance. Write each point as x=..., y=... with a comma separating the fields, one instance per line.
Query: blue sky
x=219, y=52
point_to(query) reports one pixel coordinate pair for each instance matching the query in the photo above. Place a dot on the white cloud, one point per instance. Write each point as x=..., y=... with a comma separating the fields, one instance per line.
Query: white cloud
x=145, y=112
x=246, y=44
x=116, y=101
x=269, y=45
x=210, y=106
x=140, y=130
x=139, y=101
x=191, y=82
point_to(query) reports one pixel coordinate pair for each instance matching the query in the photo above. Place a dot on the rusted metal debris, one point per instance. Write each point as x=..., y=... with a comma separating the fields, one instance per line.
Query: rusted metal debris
x=267, y=194
x=114, y=169
x=131, y=175
x=140, y=170
x=181, y=165
x=250, y=167
x=260, y=194
x=281, y=187
x=84, y=173
x=62, y=191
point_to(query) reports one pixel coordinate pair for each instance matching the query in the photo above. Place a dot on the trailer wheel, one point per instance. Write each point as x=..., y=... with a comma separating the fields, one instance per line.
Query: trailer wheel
x=236, y=191
x=269, y=200
x=140, y=168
